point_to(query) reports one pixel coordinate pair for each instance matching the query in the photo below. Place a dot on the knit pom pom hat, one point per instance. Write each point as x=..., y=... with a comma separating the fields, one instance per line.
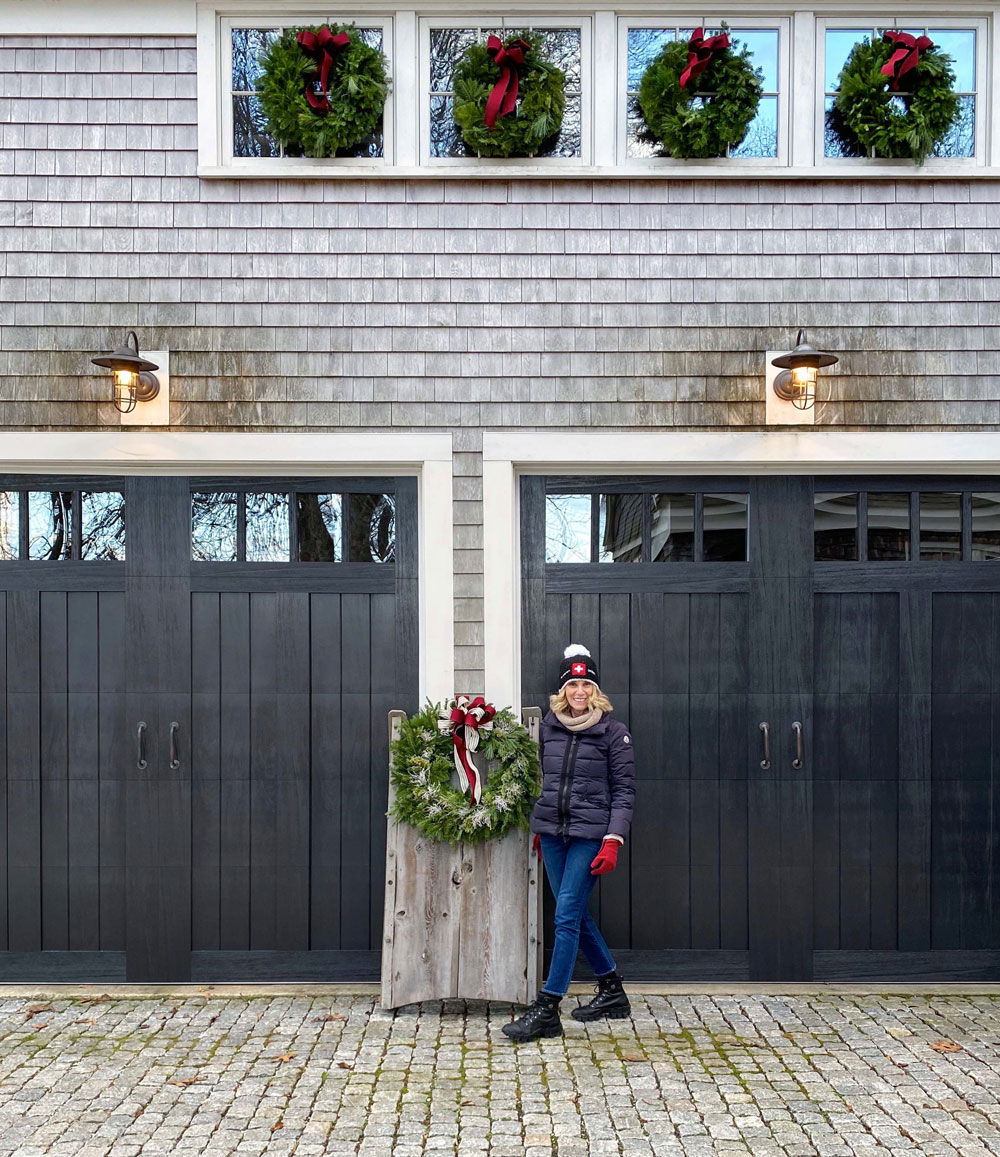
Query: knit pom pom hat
x=577, y=663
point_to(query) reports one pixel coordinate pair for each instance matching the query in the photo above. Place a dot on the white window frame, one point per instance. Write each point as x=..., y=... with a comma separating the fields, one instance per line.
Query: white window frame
x=781, y=24
x=513, y=23
x=260, y=17
x=985, y=80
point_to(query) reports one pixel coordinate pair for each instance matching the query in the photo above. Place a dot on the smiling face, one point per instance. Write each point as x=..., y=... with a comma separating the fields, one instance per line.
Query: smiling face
x=578, y=695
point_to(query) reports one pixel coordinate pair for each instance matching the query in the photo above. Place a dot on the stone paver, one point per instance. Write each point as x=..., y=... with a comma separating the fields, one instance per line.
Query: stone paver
x=822, y=1074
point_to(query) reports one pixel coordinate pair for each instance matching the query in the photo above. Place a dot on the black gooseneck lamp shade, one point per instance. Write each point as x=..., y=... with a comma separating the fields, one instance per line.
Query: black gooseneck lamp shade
x=134, y=377
x=797, y=382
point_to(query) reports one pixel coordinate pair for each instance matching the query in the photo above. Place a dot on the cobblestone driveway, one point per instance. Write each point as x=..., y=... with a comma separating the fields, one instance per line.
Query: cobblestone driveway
x=763, y=1074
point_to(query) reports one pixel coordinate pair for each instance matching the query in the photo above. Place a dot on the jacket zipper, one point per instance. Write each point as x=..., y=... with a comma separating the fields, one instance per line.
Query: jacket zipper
x=566, y=784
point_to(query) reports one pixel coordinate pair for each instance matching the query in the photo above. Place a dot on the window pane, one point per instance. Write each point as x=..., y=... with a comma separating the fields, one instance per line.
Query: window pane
x=985, y=527
x=941, y=527
x=50, y=522
x=10, y=515
x=447, y=48
x=636, y=144
x=888, y=527
x=620, y=529
x=570, y=134
x=763, y=44
x=267, y=527
x=567, y=527
x=213, y=527
x=840, y=43
x=762, y=135
x=644, y=46
x=961, y=138
x=446, y=141
x=673, y=528
x=724, y=529
x=562, y=46
x=248, y=44
x=103, y=529
x=835, y=527
x=319, y=527
x=960, y=45
x=250, y=136
x=372, y=528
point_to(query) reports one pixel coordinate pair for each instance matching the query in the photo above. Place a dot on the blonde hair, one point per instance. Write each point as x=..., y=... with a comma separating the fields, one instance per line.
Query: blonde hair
x=598, y=699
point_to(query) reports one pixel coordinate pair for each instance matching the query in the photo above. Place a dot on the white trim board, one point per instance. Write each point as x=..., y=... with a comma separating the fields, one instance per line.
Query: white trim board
x=428, y=457
x=796, y=451
x=65, y=18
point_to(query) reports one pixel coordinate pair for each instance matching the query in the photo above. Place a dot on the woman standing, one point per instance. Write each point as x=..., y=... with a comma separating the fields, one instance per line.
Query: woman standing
x=580, y=821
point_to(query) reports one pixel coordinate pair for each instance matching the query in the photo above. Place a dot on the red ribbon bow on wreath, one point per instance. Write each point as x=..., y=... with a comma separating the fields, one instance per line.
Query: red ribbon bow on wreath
x=700, y=53
x=466, y=719
x=321, y=46
x=906, y=55
x=503, y=98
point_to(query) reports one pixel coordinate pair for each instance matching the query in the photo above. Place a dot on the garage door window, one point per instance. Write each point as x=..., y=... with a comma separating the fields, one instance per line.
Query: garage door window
x=61, y=525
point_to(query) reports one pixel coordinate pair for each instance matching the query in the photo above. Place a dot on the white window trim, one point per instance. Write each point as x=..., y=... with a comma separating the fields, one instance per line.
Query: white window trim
x=506, y=456
x=955, y=166
x=470, y=165
x=649, y=165
x=428, y=457
x=603, y=93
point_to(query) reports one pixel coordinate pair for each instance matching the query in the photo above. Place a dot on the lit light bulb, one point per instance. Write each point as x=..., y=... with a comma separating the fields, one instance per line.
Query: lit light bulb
x=804, y=375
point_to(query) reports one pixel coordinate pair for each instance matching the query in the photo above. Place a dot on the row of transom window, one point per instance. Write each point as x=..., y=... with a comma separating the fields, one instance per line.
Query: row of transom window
x=579, y=50
x=227, y=525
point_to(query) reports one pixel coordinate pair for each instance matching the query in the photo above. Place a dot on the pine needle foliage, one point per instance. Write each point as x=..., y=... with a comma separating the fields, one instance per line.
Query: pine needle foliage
x=533, y=126
x=357, y=87
x=869, y=118
x=422, y=764
x=708, y=117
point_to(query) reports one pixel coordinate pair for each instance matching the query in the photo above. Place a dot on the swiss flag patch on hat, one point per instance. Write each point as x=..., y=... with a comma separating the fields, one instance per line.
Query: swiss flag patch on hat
x=580, y=669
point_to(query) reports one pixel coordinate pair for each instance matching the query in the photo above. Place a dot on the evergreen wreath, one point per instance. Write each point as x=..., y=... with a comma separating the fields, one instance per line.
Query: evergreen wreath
x=303, y=117
x=533, y=126
x=708, y=116
x=871, y=116
x=426, y=798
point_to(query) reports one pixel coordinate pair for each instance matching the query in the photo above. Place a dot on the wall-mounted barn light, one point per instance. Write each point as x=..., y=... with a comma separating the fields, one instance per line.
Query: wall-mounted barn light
x=799, y=369
x=134, y=378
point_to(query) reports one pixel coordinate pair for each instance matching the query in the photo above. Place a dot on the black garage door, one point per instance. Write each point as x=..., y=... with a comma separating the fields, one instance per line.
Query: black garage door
x=811, y=670
x=196, y=677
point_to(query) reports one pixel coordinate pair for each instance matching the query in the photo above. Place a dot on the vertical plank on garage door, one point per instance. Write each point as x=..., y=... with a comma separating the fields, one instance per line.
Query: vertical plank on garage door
x=915, y=762
x=356, y=772
x=83, y=768
x=733, y=728
x=703, y=729
x=24, y=915
x=610, y=899
x=264, y=757
x=537, y=644
x=292, y=771
x=113, y=757
x=234, y=757
x=883, y=697
x=384, y=695
x=826, y=771
x=206, y=813
x=54, y=800
x=326, y=731
x=4, y=883
x=675, y=828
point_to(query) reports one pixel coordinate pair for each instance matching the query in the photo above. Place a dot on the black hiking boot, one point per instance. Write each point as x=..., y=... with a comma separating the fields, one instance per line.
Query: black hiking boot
x=610, y=1001
x=541, y=1019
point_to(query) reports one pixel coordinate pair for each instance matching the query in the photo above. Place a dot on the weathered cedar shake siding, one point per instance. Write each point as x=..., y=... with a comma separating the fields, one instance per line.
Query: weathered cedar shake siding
x=459, y=304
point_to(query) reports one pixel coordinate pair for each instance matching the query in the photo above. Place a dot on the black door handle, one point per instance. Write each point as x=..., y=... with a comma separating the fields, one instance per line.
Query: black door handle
x=797, y=729
x=140, y=747
x=174, y=761
x=765, y=763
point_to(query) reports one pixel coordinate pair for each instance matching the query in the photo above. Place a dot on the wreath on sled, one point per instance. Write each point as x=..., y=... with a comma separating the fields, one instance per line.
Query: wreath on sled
x=322, y=89
x=437, y=740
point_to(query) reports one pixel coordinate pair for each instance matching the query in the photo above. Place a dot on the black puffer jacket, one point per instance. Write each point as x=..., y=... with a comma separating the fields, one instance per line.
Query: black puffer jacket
x=588, y=780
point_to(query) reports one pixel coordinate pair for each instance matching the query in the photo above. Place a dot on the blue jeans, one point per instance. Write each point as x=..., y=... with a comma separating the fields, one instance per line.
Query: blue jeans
x=567, y=868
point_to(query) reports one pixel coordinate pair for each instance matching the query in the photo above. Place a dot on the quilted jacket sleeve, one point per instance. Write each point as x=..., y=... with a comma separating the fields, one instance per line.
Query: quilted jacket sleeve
x=621, y=774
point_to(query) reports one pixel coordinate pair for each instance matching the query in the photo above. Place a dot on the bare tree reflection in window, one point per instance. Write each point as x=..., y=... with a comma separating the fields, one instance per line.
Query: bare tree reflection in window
x=267, y=527
x=103, y=525
x=372, y=528
x=10, y=521
x=213, y=526
x=567, y=527
x=319, y=527
x=50, y=524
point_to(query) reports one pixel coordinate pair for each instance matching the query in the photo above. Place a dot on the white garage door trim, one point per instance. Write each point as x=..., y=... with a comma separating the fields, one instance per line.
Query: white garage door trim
x=428, y=457
x=802, y=451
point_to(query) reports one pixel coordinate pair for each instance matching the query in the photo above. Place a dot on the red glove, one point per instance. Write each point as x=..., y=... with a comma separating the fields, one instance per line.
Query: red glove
x=536, y=843
x=606, y=859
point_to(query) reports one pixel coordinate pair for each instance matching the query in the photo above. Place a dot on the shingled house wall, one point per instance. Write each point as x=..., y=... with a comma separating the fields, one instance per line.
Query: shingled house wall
x=459, y=305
